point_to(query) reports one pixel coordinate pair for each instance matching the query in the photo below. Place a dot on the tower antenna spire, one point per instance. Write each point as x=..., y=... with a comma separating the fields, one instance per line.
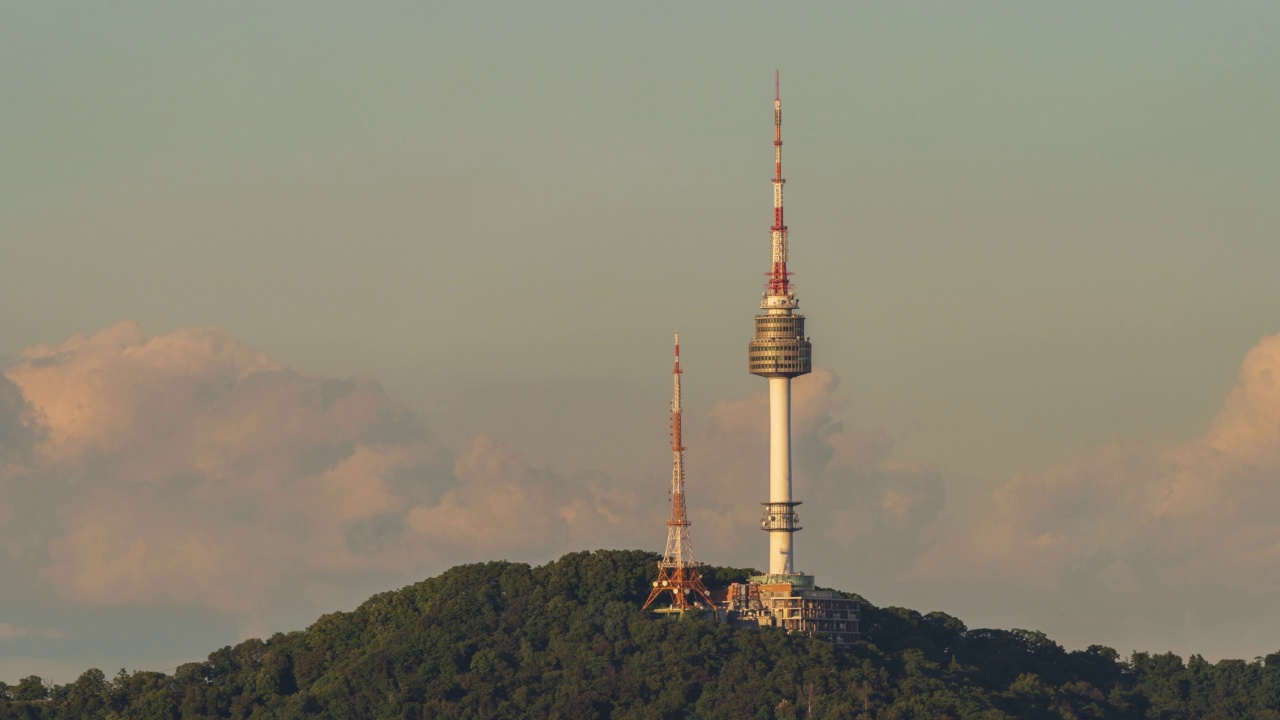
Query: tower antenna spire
x=678, y=571
x=779, y=278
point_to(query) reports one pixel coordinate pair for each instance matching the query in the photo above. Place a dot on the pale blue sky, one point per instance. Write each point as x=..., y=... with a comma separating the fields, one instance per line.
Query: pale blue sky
x=1019, y=230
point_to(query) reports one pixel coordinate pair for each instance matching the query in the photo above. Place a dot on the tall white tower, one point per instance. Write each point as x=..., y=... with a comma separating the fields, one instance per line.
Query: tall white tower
x=779, y=351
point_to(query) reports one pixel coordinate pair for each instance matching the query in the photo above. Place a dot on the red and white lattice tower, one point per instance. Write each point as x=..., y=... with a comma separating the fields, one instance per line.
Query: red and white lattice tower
x=678, y=571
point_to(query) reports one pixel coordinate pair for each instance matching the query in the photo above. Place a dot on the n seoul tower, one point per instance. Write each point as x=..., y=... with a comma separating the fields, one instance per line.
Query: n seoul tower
x=779, y=351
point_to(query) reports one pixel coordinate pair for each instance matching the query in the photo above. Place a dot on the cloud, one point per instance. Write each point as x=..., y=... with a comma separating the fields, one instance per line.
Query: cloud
x=1180, y=541
x=500, y=497
x=188, y=468
x=11, y=632
x=20, y=432
x=20, y=429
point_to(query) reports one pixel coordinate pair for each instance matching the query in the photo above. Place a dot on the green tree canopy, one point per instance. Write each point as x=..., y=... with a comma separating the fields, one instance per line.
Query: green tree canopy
x=567, y=640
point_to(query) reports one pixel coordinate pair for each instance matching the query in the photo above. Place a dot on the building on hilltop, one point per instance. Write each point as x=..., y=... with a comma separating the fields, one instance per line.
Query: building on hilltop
x=791, y=602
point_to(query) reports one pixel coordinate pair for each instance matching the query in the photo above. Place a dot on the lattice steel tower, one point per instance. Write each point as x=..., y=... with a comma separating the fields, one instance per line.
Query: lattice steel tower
x=677, y=571
x=779, y=352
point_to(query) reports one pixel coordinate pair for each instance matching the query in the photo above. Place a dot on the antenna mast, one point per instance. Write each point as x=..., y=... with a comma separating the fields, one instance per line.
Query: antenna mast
x=779, y=281
x=678, y=570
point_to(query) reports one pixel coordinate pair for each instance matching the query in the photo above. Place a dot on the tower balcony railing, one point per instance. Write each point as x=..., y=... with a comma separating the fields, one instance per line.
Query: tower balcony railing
x=780, y=517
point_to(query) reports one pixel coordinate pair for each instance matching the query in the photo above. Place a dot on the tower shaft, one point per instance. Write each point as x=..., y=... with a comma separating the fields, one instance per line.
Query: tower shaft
x=779, y=351
x=779, y=511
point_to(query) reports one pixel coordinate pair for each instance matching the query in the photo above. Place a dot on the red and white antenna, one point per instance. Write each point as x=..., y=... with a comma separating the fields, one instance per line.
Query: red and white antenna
x=678, y=571
x=779, y=281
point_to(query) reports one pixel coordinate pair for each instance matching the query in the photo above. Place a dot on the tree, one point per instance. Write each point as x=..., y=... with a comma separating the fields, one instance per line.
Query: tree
x=30, y=689
x=89, y=695
x=808, y=694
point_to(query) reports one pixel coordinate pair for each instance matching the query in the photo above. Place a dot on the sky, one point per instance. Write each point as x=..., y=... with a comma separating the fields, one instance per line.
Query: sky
x=307, y=301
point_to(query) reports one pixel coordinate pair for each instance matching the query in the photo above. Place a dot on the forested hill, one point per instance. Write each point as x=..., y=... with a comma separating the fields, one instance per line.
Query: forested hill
x=567, y=640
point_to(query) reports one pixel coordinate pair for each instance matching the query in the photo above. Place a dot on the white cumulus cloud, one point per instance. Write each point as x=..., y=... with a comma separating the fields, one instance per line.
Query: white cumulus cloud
x=188, y=468
x=1177, y=541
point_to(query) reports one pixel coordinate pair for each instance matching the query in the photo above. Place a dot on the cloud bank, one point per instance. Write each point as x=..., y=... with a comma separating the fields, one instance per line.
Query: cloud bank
x=1179, y=542
x=188, y=469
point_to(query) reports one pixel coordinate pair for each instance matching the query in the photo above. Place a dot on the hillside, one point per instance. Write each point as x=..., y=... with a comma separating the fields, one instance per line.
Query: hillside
x=567, y=640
